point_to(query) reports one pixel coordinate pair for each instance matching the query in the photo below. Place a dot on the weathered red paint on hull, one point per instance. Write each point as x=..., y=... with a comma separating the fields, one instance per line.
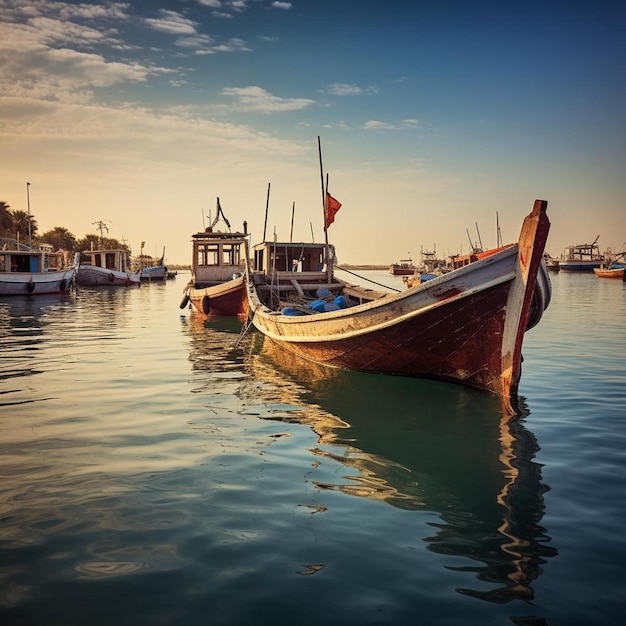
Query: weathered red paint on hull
x=441, y=343
x=466, y=326
x=225, y=301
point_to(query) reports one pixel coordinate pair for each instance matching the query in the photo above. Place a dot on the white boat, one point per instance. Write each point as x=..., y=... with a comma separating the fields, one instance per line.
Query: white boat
x=29, y=270
x=105, y=268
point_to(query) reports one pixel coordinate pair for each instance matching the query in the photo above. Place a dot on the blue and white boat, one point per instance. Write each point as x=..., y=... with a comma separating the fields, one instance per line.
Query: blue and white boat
x=28, y=270
x=583, y=257
x=150, y=268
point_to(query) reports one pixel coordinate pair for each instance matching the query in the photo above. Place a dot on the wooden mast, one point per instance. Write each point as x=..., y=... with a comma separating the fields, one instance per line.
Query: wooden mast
x=329, y=270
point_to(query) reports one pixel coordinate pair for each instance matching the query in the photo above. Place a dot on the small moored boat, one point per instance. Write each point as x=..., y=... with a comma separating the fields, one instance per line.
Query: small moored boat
x=30, y=270
x=150, y=268
x=614, y=268
x=106, y=268
x=609, y=272
x=404, y=268
x=217, y=271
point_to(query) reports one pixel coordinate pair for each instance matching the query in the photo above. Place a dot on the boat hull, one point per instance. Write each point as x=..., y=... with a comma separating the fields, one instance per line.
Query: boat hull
x=617, y=272
x=94, y=276
x=35, y=283
x=579, y=266
x=153, y=273
x=224, y=299
x=465, y=326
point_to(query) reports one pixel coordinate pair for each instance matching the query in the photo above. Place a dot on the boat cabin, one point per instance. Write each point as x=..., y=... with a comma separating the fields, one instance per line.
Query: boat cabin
x=23, y=259
x=217, y=257
x=273, y=257
x=293, y=270
x=117, y=259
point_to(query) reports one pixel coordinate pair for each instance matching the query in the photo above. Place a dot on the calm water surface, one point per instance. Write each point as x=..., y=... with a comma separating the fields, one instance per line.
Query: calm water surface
x=156, y=469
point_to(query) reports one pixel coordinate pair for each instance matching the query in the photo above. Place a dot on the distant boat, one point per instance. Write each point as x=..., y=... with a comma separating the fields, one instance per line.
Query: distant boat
x=106, y=268
x=217, y=271
x=614, y=272
x=466, y=326
x=156, y=272
x=551, y=263
x=583, y=257
x=404, y=268
x=614, y=269
x=150, y=268
x=29, y=270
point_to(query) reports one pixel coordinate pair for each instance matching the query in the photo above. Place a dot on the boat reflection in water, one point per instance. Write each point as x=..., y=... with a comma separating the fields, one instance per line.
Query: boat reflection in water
x=423, y=445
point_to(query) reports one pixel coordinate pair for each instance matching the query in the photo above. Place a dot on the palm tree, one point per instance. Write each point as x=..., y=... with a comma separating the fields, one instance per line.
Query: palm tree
x=88, y=242
x=20, y=226
x=96, y=242
x=59, y=238
x=6, y=220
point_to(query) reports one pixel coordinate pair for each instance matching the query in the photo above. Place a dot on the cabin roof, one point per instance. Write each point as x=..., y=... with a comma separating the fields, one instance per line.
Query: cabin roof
x=210, y=235
x=291, y=244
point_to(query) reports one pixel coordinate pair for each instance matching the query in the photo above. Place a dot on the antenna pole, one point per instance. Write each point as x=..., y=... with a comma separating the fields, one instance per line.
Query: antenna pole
x=30, y=237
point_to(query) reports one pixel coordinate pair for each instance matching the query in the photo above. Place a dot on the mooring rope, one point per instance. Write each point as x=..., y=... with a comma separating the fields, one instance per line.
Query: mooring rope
x=369, y=280
x=244, y=329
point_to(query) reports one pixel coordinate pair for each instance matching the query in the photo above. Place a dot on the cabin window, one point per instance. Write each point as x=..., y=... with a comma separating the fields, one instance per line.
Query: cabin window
x=313, y=262
x=258, y=260
x=3, y=263
x=279, y=262
x=110, y=260
x=208, y=254
x=230, y=254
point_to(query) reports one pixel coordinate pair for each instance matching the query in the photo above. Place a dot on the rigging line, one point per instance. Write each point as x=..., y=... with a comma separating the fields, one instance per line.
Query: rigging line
x=244, y=330
x=369, y=280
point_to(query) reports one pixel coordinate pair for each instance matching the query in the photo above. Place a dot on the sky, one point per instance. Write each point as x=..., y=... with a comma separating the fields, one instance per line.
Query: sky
x=438, y=121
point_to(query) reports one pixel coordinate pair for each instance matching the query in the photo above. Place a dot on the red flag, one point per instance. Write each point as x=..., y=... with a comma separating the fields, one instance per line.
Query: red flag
x=332, y=206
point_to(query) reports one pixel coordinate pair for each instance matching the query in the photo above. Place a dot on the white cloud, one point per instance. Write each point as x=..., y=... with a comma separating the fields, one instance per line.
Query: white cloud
x=282, y=5
x=378, y=125
x=346, y=89
x=232, y=45
x=54, y=31
x=255, y=98
x=173, y=23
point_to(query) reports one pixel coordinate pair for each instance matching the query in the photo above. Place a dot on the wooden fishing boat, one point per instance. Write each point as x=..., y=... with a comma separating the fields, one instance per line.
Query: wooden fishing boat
x=466, y=326
x=404, y=268
x=106, y=268
x=217, y=271
x=609, y=272
x=29, y=270
x=614, y=268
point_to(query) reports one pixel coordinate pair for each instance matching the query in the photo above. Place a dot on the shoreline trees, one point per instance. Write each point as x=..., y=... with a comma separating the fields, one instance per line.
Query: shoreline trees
x=14, y=225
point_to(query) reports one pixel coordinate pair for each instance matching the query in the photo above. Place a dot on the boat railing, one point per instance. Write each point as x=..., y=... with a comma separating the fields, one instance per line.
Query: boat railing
x=13, y=244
